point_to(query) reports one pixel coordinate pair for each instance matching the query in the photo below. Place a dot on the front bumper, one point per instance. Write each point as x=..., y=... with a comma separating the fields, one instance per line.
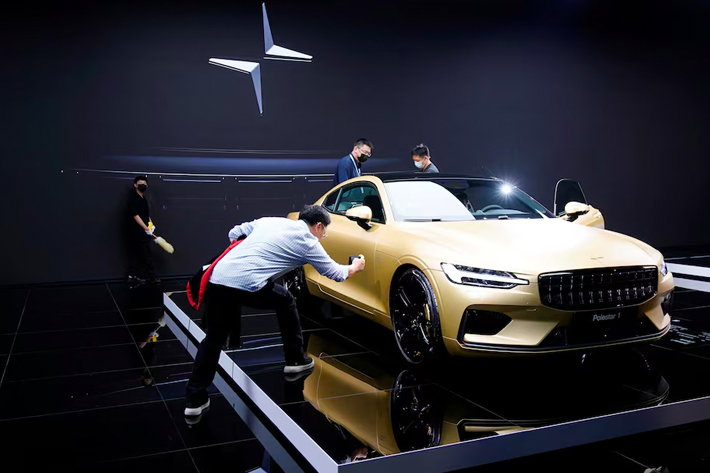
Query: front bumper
x=534, y=328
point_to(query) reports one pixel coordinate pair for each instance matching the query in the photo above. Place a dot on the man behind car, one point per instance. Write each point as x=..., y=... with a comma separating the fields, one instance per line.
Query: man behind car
x=350, y=166
x=422, y=159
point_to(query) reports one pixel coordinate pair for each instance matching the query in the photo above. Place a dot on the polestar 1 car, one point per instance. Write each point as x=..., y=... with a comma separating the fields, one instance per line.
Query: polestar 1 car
x=469, y=265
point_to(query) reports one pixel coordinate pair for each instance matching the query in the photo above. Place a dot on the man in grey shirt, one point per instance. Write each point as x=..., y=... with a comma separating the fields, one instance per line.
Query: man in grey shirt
x=245, y=276
x=422, y=159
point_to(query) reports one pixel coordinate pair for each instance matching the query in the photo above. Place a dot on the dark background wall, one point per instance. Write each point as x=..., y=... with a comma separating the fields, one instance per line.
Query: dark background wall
x=611, y=93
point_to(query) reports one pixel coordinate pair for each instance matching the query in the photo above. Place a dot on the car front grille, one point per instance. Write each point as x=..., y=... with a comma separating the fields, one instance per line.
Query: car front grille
x=602, y=288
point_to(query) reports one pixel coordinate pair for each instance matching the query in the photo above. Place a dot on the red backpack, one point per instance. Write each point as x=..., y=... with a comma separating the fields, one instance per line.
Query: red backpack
x=198, y=283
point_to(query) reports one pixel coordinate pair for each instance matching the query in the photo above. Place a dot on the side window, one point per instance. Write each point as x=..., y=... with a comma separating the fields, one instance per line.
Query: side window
x=362, y=195
x=350, y=198
x=329, y=202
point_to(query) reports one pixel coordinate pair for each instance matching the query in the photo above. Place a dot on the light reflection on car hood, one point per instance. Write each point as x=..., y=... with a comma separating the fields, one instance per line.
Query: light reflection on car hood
x=524, y=246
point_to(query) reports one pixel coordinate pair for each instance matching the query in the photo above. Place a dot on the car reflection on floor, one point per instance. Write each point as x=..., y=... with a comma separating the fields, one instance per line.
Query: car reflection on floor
x=373, y=409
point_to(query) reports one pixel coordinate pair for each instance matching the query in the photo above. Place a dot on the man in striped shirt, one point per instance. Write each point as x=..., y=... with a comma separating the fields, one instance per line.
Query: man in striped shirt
x=245, y=276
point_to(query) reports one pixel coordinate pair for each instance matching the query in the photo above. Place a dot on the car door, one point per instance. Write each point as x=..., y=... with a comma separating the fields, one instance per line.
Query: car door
x=348, y=238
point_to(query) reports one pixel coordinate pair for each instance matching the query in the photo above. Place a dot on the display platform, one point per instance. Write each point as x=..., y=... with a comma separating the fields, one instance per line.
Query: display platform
x=364, y=409
x=692, y=272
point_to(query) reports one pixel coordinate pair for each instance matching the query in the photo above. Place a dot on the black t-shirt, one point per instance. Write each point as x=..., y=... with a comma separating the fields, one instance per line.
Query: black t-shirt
x=138, y=205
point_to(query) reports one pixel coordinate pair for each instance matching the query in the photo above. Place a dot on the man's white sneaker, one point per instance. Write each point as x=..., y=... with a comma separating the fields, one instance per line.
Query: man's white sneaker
x=305, y=364
x=195, y=410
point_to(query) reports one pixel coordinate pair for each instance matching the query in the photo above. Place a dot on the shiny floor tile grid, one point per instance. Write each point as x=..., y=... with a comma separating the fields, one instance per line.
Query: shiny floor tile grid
x=92, y=375
x=91, y=381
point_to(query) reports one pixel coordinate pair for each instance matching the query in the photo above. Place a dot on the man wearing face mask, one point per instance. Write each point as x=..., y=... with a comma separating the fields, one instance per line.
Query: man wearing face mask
x=350, y=166
x=140, y=234
x=422, y=159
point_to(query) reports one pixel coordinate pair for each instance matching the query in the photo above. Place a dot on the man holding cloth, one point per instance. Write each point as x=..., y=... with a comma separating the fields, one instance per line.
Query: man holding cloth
x=245, y=276
x=141, y=229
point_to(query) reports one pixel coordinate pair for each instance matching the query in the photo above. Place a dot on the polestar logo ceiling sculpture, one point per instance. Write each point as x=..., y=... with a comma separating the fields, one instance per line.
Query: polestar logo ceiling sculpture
x=271, y=51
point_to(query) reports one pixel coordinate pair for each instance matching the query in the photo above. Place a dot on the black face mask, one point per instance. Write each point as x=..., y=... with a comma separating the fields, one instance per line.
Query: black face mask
x=142, y=187
x=363, y=158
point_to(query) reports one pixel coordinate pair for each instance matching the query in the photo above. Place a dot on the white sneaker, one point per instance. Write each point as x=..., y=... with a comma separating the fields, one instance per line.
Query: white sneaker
x=191, y=410
x=304, y=365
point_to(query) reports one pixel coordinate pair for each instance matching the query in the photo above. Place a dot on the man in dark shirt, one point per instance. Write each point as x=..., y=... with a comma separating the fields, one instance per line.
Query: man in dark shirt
x=422, y=159
x=140, y=234
x=350, y=166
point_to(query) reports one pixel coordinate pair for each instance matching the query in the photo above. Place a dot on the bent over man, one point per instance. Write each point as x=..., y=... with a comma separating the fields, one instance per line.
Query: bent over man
x=245, y=276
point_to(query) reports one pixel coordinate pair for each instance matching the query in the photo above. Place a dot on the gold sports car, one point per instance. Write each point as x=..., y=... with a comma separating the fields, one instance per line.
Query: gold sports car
x=470, y=265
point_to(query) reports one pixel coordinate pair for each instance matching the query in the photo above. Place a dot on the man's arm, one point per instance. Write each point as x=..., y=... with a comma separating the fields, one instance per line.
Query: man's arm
x=244, y=229
x=140, y=222
x=324, y=264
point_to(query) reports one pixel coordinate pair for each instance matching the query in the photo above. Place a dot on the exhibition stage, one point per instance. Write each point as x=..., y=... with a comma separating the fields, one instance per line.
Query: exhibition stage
x=363, y=408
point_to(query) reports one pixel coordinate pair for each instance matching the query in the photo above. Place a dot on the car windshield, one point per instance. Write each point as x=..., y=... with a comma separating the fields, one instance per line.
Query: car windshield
x=460, y=199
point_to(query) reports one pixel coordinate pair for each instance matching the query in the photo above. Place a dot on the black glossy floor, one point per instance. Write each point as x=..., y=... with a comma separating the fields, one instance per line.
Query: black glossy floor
x=361, y=396
x=87, y=387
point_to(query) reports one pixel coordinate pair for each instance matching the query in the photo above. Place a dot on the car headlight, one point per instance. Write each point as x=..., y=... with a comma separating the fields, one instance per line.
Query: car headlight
x=481, y=277
x=663, y=268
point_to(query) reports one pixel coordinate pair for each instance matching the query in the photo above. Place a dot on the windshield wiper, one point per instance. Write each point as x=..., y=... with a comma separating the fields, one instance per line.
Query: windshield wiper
x=422, y=220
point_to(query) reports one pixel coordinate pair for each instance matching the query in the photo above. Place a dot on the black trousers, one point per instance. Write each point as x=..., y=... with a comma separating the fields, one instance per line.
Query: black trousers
x=222, y=306
x=141, y=261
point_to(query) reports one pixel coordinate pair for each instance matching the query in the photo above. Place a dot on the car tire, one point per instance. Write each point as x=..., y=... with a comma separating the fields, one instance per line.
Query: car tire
x=295, y=283
x=308, y=304
x=415, y=317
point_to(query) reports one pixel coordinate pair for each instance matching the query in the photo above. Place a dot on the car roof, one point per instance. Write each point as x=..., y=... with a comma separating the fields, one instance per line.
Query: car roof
x=422, y=176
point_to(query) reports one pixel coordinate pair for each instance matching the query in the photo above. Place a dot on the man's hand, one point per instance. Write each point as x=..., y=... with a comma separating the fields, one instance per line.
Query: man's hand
x=149, y=231
x=357, y=265
x=140, y=223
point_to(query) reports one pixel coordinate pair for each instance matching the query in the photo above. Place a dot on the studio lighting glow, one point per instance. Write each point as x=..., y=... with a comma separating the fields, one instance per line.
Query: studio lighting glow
x=506, y=189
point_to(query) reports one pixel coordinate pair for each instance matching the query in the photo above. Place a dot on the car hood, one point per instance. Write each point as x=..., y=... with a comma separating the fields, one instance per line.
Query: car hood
x=521, y=246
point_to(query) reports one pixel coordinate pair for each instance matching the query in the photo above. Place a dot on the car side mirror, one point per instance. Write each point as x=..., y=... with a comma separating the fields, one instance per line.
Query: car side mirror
x=574, y=208
x=567, y=191
x=361, y=214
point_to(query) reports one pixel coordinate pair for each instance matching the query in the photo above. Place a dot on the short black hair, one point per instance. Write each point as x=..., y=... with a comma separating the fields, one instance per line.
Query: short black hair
x=140, y=178
x=364, y=141
x=420, y=150
x=312, y=214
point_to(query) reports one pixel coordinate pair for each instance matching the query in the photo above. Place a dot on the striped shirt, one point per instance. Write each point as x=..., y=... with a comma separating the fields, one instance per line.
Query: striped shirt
x=274, y=246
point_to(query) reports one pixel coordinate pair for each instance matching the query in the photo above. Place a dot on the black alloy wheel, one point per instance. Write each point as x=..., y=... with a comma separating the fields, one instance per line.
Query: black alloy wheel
x=415, y=317
x=307, y=304
x=295, y=283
